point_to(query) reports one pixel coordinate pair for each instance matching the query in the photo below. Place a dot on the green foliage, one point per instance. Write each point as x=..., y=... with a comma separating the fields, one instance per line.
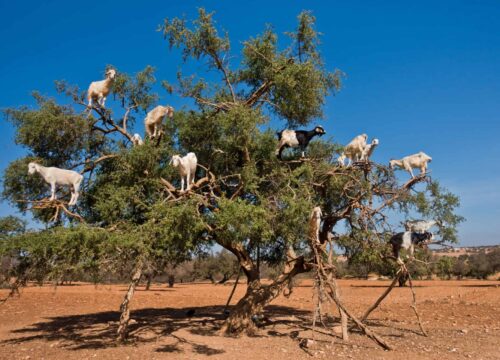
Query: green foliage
x=444, y=266
x=440, y=204
x=214, y=266
x=55, y=133
x=482, y=264
x=202, y=41
x=136, y=92
x=11, y=225
x=295, y=84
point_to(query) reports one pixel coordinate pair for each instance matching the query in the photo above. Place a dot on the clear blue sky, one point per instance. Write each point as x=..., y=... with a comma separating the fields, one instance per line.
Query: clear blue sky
x=420, y=75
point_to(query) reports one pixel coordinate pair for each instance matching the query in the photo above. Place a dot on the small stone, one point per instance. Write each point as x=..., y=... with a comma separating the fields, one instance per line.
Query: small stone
x=337, y=329
x=307, y=343
x=132, y=322
x=464, y=331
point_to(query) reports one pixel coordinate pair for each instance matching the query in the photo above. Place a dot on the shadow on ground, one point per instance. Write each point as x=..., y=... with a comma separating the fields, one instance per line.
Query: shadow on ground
x=98, y=330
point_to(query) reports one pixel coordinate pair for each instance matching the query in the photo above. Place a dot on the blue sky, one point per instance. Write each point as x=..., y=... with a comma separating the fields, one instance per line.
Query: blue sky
x=420, y=75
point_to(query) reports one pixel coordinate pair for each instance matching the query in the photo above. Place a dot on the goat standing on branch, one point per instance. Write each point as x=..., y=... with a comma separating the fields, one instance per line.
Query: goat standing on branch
x=368, y=150
x=419, y=226
x=314, y=224
x=153, y=120
x=296, y=138
x=354, y=150
x=55, y=176
x=407, y=240
x=187, y=168
x=99, y=90
x=419, y=160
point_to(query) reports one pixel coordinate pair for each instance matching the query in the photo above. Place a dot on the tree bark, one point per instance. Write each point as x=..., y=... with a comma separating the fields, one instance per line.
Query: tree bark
x=149, y=278
x=124, y=308
x=258, y=296
x=171, y=281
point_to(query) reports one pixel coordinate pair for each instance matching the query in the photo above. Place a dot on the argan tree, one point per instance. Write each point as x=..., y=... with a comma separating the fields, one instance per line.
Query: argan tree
x=132, y=218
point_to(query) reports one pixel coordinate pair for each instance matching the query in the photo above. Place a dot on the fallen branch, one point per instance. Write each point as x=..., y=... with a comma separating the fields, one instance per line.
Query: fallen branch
x=327, y=286
x=232, y=291
x=414, y=306
x=382, y=297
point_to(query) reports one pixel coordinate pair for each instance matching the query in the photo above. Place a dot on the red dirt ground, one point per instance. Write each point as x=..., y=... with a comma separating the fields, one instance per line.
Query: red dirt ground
x=80, y=322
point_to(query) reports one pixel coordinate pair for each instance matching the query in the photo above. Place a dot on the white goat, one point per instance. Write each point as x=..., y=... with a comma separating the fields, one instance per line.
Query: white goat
x=314, y=224
x=137, y=140
x=55, y=176
x=368, y=150
x=419, y=226
x=418, y=160
x=98, y=90
x=354, y=150
x=187, y=168
x=153, y=120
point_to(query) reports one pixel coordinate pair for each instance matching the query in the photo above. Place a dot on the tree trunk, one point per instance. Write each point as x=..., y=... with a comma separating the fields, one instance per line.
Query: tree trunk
x=258, y=296
x=149, y=278
x=343, y=318
x=124, y=308
x=225, y=277
x=171, y=281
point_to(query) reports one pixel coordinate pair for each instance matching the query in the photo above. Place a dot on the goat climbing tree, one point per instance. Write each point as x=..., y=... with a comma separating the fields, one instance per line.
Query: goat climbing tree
x=132, y=218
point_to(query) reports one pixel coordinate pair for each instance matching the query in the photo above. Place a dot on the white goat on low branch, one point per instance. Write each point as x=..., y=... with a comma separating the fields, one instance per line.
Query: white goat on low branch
x=55, y=176
x=417, y=161
x=99, y=90
x=187, y=168
x=153, y=120
x=354, y=150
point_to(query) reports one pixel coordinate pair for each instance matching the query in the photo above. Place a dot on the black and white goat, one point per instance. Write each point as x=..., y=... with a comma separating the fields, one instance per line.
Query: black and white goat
x=296, y=138
x=407, y=240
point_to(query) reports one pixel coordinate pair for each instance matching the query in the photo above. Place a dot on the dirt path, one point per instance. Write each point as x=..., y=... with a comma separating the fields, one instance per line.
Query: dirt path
x=80, y=321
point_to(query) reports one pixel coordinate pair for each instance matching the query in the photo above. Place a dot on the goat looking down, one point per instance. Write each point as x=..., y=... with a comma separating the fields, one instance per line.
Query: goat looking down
x=187, y=168
x=98, y=90
x=153, y=120
x=419, y=226
x=354, y=150
x=368, y=150
x=137, y=140
x=55, y=176
x=296, y=138
x=419, y=160
x=407, y=240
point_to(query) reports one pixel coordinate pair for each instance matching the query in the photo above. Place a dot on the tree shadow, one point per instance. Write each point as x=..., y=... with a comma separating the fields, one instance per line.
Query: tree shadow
x=98, y=330
x=384, y=286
